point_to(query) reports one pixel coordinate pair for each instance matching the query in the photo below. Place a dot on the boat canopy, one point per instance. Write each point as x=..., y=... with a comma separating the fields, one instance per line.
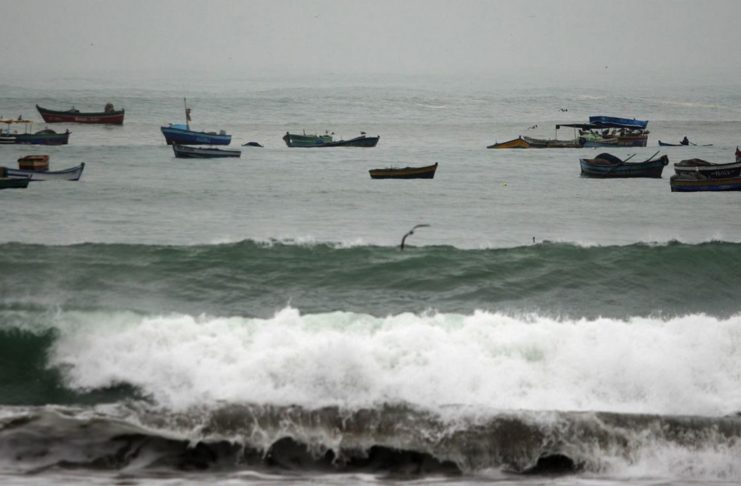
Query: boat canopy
x=596, y=126
x=616, y=122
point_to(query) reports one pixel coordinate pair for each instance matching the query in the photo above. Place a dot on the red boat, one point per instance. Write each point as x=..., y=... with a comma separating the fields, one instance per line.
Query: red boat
x=109, y=116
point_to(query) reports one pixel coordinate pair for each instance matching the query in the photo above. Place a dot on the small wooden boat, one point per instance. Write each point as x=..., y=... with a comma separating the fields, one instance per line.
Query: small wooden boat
x=109, y=115
x=427, y=172
x=70, y=174
x=529, y=142
x=664, y=144
x=326, y=140
x=252, y=144
x=42, y=137
x=708, y=169
x=609, y=166
x=700, y=183
x=516, y=143
x=181, y=134
x=187, y=152
x=12, y=182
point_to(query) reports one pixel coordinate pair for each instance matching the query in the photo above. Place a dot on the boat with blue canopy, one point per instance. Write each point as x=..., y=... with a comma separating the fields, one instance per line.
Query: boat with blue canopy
x=177, y=133
x=617, y=122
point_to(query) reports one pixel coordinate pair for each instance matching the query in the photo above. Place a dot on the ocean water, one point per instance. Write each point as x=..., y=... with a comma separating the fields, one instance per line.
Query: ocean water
x=253, y=320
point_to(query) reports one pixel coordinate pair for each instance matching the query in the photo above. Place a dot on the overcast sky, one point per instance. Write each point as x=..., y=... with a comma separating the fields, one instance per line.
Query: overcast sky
x=258, y=37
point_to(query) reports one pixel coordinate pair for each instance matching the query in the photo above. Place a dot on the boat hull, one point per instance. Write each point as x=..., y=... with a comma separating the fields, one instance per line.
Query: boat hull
x=71, y=174
x=620, y=141
x=599, y=169
x=317, y=141
x=103, y=118
x=44, y=137
x=715, y=171
x=531, y=143
x=186, y=152
x=13, y=183
x=427, y=172
x=182, y=136
x=697, y=184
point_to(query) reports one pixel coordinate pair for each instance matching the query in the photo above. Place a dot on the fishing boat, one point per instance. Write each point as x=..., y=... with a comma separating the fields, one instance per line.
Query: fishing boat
x=426, y=172
x=700, y=183
x=708, y=169
x=327, y=140
x=680, y=144
x=70, y=174
x=608, y=166
x=13, y=183
x=187, y=152
x=46, y=136
x=530, y=142
x=177, y=133
x=609, y=131
x=109, y=115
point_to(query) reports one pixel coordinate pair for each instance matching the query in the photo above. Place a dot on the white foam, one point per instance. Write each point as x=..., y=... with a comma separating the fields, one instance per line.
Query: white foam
x=686, y=365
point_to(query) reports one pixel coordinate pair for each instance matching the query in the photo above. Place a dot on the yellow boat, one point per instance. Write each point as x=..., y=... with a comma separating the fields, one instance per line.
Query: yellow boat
x=518, y=142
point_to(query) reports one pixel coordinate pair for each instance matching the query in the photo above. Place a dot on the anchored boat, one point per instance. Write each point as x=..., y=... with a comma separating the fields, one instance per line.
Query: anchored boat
x=426, y=172
x=187, y=152
x=608, y=166
x=326, y=140
x=176, y=133
x=46, y=136
x=109, y=115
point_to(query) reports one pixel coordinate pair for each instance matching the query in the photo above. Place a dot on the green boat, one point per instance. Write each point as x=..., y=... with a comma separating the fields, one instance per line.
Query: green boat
x=326, y=140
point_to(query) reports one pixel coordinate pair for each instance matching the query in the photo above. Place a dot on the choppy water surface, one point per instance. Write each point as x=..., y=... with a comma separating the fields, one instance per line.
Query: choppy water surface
x=253, y=320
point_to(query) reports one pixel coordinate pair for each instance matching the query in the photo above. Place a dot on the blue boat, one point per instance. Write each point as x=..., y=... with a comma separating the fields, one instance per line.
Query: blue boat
x=616, y=122
x=699, y=183
x=181, y=134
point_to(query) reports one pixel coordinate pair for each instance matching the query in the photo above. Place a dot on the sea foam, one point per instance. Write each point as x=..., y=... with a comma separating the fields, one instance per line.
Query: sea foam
x=684, y=365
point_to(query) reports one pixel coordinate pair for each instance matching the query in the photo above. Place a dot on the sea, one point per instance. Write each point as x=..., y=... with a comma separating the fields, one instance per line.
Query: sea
x=254, y=321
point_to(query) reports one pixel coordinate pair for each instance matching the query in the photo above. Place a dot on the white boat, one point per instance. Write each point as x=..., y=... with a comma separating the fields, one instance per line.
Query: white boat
x=71, y=174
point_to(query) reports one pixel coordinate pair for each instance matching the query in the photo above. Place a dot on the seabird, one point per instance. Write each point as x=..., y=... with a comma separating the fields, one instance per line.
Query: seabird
x=411, y=232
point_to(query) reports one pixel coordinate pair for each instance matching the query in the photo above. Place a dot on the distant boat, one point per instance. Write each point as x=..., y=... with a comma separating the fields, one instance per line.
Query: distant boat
x=617, y=122
x=46, y=136
x=665, y=144
x=182, y=134
x=426, y=172
x=700, y=183
x=186, y=152
x=529, y=142
x=326, y=140
x=71, y=174
x=608, y=166
x=251, y=144
x=109, y=115
x=707, y=169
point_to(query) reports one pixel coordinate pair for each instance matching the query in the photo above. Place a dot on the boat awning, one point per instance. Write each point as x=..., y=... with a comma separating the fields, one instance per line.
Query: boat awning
x=596, y=126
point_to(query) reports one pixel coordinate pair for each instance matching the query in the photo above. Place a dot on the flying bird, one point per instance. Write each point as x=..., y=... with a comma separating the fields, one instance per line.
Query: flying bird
x=411, y=232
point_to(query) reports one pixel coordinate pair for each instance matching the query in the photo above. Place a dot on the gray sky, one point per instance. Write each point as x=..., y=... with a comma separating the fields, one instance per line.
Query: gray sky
x=256, y=37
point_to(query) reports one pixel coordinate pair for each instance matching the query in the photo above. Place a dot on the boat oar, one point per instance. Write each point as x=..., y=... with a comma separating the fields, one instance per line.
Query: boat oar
x=654, y=155
x=630, y=157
